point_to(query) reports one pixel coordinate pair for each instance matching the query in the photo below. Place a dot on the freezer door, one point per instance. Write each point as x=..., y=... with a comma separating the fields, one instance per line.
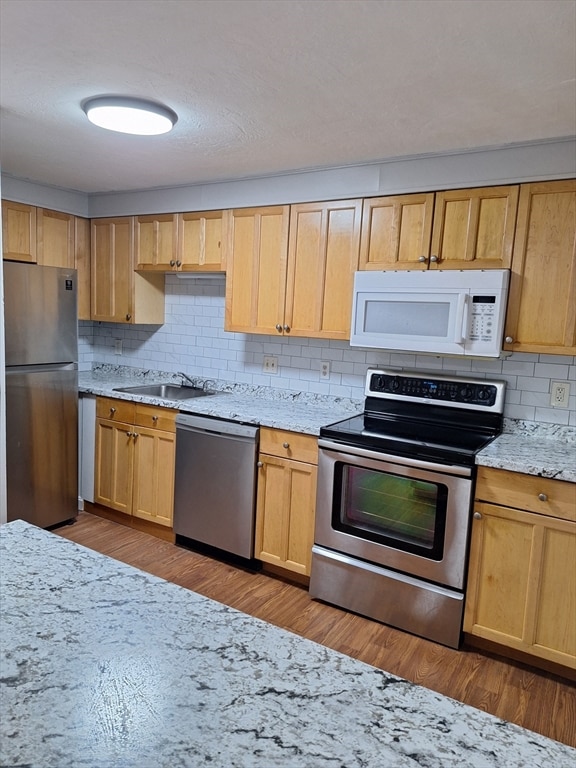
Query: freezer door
x=42, y=444
x=40, y=314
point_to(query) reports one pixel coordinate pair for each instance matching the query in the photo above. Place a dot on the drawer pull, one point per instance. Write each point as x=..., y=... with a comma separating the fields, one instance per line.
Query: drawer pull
x=543, y=497
x=112, y=411
x=434, y=259
x=287, y=328
x=172, y=262
x=259, y=464
x=278, y=327
x=128, y=434
x=477, y=516
x=154, y=419
x=285, y=445
x=422, y=259
x=509, y=340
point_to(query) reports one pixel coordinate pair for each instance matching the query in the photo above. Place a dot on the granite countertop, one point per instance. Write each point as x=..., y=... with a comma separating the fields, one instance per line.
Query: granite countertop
x=298, y=412
x=104, y=666
x=546, y=451
x=534, y=449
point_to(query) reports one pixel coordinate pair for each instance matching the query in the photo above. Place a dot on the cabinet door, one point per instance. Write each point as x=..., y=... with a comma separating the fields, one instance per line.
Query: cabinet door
x=112, y=251
x=396, y=232
x=256, y=256
x=522, y=582
x=156, y=242
x=18, y=231
x=200, y=241
x=323, y=256
x=474, y=228
x=541, y=313
x=285, y=513
x=113, y=471
x=82, y=264
x=154, y=463
x=54, y=238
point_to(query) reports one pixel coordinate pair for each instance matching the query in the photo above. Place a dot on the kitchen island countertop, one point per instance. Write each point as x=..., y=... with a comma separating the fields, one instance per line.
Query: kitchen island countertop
x=105, y=666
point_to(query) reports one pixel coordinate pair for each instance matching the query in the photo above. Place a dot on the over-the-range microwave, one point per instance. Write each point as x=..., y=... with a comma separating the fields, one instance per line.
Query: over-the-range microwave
x=441, y=312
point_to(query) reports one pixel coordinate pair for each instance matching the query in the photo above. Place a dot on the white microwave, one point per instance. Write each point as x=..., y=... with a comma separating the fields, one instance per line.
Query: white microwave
x=440, y=312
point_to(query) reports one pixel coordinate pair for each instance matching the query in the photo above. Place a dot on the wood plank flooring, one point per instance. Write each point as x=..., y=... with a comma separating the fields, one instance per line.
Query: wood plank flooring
x=520, y=694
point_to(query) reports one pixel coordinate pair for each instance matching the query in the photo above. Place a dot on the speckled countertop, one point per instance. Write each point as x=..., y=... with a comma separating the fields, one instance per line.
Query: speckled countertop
x=298, y=412
x=104, y=666
x=534, y=449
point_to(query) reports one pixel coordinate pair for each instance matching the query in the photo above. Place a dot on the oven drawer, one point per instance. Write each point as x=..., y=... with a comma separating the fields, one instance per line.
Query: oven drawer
x=543, y=495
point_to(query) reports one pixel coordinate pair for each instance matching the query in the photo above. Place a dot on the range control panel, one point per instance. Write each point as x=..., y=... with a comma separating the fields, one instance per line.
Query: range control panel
x=443, y=390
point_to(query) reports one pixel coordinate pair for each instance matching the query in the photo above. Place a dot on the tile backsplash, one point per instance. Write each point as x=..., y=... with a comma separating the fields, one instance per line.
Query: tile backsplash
x=193, y=340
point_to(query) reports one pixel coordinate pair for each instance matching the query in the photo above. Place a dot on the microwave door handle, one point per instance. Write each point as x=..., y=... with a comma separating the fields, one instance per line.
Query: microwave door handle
x=461, y=325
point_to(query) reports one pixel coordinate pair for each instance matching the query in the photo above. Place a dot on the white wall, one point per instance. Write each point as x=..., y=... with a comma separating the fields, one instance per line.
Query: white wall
x=193, y=340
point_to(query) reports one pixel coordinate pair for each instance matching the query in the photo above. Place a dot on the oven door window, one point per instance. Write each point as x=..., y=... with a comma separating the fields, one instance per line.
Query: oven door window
x=405, y=513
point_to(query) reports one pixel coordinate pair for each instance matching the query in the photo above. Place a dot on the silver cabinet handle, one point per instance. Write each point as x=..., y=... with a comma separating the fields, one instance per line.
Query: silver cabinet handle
x=509, y=340
x=178, y=263
x=154, y=418
x=135, y=435
x=259, y=464
x=128, y=434
x=278, y=327
x=422, y=259
x=287, y=328
x=434, y=259
x=112, y=411
x=543, y=497
x=477, y=516
x=172, y=262
x=285, y=445
x=128, y=317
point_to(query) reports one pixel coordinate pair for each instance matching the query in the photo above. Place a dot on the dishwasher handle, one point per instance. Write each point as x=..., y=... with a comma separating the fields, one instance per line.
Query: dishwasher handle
x=192, y=423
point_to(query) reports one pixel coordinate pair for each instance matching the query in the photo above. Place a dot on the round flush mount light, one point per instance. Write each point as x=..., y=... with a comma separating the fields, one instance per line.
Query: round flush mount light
x=128, y=115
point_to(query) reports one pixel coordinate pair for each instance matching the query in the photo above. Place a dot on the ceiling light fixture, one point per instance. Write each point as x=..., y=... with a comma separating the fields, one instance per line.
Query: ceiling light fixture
x=128, y=115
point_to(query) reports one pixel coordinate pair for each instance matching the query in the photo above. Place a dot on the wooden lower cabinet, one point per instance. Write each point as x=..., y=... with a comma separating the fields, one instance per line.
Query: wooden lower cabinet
x=522, y=576
x=288, y=465
x=135, y=459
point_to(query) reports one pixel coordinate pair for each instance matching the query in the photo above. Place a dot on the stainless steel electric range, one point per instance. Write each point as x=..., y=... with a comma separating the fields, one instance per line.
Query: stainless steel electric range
x=394, y=501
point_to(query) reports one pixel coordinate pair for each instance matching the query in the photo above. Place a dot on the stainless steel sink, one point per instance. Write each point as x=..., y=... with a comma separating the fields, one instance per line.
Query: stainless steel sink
x=166, y=391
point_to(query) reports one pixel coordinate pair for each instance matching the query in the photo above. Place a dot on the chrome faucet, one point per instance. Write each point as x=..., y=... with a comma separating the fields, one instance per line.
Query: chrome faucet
x=187, y=378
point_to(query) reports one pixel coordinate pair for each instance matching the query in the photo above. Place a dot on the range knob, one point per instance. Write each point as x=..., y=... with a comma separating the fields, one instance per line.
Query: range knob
x=395, y=384
x=483, y=394
x=466, y=392
x=378, y=383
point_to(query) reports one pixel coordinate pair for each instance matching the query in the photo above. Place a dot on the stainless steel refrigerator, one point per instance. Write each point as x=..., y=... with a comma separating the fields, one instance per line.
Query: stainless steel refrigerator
x=41, y=328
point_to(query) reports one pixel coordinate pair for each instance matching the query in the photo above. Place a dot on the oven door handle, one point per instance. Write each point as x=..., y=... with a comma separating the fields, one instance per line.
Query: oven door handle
x=449, y=469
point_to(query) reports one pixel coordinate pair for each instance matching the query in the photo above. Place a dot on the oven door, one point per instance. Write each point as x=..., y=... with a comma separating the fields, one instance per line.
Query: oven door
x=404, y=514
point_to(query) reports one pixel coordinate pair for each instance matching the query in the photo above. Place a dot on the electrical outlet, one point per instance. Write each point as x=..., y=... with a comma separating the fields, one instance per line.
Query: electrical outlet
x=270, y=364
x=560, y=394
x=324, y=369
x=117, y=346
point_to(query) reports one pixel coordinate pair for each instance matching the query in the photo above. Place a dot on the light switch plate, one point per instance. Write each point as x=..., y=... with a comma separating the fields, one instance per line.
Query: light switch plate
x=270, y=364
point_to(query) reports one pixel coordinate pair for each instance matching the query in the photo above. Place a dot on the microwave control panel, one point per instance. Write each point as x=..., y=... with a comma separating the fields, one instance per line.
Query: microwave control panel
x=483, y=318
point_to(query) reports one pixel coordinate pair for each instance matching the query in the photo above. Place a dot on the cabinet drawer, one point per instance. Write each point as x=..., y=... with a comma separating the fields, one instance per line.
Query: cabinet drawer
x=114, y=410
x=290, y=445
x=155, y=418
x=543, y=495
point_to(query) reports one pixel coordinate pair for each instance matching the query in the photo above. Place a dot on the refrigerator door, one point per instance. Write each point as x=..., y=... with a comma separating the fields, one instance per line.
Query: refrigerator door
x=42, y=443
x=40, y=315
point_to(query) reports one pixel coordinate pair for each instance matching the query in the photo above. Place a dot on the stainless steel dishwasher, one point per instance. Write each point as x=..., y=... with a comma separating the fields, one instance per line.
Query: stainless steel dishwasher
x=215, y=485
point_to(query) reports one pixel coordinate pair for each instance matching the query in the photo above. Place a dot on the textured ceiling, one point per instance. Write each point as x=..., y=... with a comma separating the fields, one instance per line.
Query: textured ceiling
x=270, y=86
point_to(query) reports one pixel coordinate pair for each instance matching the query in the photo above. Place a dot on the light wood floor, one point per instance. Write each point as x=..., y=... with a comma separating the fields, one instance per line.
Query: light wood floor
x=520, y=694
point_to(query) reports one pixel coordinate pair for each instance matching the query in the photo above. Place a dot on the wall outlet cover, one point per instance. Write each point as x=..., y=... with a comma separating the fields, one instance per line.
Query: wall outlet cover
x=559, y=394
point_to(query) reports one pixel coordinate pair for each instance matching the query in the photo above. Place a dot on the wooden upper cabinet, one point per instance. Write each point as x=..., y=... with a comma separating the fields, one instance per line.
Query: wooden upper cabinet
x=323, y=255
x=256, y=258
x=541, y=314
x=396, y=232
x=82, y=264
x=156, y=242
x=201, y=241
x=18, y=232
x=458, y=229
x=119, y=294
x=55, y=238
x=474, y=228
